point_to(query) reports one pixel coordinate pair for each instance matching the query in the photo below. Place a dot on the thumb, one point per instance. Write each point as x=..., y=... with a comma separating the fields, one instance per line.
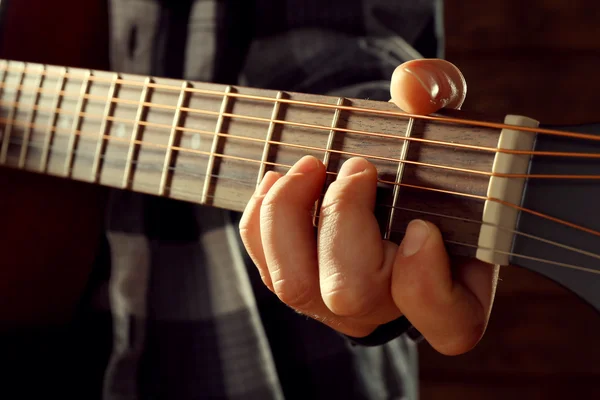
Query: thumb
x=447, y=313
x=427, y=85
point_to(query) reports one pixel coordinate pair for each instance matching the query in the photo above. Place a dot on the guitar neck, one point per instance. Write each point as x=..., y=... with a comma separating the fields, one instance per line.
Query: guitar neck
x=211, y=144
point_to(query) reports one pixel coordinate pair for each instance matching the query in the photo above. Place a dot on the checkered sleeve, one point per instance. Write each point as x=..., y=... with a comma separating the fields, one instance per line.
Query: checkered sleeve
x=191, y=318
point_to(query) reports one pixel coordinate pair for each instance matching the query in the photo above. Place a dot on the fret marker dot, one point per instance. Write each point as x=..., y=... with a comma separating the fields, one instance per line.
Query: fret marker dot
x=196, y=141
x=121, y=130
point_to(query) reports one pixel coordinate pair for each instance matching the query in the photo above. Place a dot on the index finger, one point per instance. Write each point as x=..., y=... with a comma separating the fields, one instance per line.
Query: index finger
x=425, y=86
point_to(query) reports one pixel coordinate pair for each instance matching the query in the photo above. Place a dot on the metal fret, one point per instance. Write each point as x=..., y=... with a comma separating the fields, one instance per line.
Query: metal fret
x=32, y=112
x=103, y=128
x=215, y=143
x=265, y=155
x=399, y=175
x=135, y=133
x=172, y=135
x=11, y=117
x=326, y=157
x=76, y=120
x=4, y=75
x=60, y=83
x=2, y=90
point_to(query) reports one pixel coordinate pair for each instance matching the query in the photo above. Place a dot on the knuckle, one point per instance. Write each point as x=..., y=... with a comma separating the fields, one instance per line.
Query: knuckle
x=463, y=342
x=268, y=210
x=410, y=286
x=412, y=291
x=339, y=199
x=266, y=279
x=333, y=207
x=297, y=295
x=344, y=300
x=345, y=303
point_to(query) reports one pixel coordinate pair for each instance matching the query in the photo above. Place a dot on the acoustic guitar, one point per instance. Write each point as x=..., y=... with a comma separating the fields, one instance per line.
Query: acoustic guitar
x=506, y=191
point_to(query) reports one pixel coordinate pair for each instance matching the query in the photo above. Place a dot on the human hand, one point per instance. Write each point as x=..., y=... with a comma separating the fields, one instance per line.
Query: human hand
x=347, y=276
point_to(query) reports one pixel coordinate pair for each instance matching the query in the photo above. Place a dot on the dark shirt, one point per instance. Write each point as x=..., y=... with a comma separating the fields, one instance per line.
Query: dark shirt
x=191, y=317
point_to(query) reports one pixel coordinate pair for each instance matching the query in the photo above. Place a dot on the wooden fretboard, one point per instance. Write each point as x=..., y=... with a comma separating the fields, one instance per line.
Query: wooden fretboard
x=211, y=144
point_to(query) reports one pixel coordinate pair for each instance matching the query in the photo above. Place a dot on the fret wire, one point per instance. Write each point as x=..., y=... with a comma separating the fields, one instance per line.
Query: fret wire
x=435, y=190
x=103, y=128
x=327, y=155
x=378, y=134
x=570, y=248
x=4, y=75
x=135, y=133
x=172, y=135
x=60, y=83
x=265, y=155
x=395, y=113
x=215, y=143
x=399, y=176
x=337, y=129
x=369, y=156
x=293, y=145
x=85, y=84
x=11, y=117
x=32, y=113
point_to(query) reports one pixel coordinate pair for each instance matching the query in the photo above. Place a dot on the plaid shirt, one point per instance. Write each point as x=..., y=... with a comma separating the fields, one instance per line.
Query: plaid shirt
x=190, y=317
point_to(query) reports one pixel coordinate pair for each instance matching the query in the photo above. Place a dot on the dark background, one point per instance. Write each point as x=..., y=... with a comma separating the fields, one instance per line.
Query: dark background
x=538, y=58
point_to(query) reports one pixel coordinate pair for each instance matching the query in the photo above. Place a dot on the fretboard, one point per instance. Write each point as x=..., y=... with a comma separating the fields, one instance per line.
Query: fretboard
x=211, y=144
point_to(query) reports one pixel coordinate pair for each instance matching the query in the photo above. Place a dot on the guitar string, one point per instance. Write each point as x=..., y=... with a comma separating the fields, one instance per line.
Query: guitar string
x=314, y=126
x=499, y=227
x=443, y=119
x=329, y=128
x=244, y=159
x=464, y=194
x=496, y=251
x=263, y=142
x=451, y=120
x=251, y=186
x=531, y=258
x=194, y=174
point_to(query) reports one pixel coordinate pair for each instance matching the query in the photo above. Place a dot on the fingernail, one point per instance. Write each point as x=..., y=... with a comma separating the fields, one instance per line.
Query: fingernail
x=305, y=165
x=352, y=167
x=426, y=78
x=415, y=237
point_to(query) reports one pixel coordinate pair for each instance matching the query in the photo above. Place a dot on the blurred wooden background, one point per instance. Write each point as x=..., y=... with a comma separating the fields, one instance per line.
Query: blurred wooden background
x=539, y=58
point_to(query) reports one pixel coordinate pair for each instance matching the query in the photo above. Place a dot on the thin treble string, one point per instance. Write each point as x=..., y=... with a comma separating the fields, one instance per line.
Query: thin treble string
x=193, y=173
x=531, y=258
x=251, y=139
x=443, y=119
x=441, y=143
x=512, y=231
x=244, y=159
x=496, y=251
x=293, y=145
